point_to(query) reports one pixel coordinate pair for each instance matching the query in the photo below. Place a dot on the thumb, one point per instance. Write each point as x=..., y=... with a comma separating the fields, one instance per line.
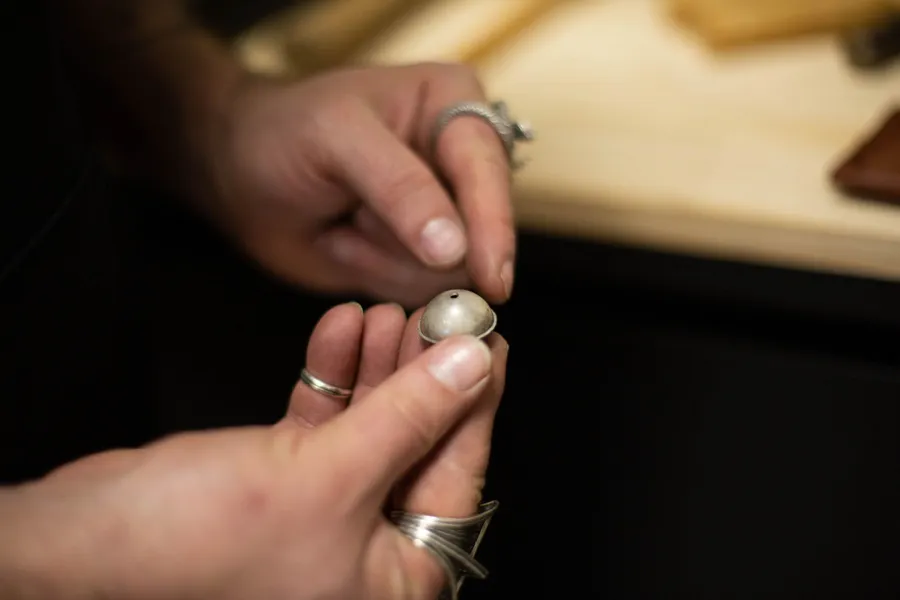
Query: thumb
x=405, y=417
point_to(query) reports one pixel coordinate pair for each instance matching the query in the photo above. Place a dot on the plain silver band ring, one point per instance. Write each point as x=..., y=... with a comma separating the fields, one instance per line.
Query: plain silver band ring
x=324, y=387
x=487, y=113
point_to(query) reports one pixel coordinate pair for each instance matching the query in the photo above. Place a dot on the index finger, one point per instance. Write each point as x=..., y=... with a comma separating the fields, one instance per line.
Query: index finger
x=473, y=159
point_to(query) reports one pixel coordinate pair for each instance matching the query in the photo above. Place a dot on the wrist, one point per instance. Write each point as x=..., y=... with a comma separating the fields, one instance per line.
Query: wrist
x=40, y=556
x=160, y=106
x=22, y=575
x=195, y=79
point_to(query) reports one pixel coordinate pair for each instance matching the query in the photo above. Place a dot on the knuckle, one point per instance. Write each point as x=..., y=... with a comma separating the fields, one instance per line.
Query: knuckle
x=400, y=188
x=457, y=75
x=411, y=412
x=335, y=113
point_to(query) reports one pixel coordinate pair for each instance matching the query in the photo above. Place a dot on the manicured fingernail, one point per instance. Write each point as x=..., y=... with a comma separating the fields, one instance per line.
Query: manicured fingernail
x=461, y=364
x=507, y=275
x=443, y=241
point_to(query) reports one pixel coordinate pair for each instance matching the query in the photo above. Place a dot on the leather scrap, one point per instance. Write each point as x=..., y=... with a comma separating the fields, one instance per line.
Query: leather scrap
x=872, y=171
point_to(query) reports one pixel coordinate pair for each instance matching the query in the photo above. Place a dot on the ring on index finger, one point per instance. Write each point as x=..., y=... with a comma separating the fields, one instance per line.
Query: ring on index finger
x=497, y=116
x=323, y=387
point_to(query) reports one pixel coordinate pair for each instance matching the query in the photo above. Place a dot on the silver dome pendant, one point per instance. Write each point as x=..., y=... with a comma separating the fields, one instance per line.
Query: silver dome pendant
x=456, y=312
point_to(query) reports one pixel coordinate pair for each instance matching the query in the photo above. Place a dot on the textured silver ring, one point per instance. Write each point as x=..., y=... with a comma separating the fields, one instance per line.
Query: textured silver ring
x=323, y=387
x=497, y=116
x=452, y=541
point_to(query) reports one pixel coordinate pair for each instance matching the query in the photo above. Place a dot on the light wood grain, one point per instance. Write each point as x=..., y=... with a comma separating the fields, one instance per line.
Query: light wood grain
x=647, y=138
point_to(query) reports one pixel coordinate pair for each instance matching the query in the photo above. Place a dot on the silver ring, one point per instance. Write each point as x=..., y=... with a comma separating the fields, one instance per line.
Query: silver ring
x=324, y=387
x=497, y=116
x=452, y=541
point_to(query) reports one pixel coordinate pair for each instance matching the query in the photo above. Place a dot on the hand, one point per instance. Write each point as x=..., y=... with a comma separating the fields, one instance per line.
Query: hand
x=329, y=184
x=293, y=511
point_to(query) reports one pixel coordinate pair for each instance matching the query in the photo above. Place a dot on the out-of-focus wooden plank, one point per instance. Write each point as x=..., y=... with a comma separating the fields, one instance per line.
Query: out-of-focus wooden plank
x=303, y=40
x=315, y=36
x=458, y=30
x=728, y=23
x=332, y=31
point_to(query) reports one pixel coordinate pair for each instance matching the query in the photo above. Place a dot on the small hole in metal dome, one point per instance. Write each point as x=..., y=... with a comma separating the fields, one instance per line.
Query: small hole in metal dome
x=454, y=295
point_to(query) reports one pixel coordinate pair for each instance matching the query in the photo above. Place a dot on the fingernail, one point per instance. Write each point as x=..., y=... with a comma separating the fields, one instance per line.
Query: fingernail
x=461, y=364
x=506, y=276
x=357, y=305
x=443, y=241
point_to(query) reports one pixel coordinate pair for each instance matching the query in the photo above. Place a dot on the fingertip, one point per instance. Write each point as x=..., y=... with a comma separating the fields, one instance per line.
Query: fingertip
x=382, y=338
x=384, y=321
x=507, y=278
x=497, y=343
x=412, y=344
x=500, y=350
x=460, y=363
x=386, y=310
x=490, y=280
x=443, y=243
x=333, y=348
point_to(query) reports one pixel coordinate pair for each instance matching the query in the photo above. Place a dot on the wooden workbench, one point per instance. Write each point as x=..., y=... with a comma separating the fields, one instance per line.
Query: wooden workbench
x=647, y=138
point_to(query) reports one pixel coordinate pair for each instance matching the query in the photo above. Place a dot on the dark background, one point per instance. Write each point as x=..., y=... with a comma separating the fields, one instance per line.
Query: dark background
x=672, y=427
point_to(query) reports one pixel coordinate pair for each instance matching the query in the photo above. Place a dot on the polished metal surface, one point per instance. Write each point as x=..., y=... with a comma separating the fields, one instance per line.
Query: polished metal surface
x=497, y=116
x=456, y=312
x=323, y=387
x=452, y=541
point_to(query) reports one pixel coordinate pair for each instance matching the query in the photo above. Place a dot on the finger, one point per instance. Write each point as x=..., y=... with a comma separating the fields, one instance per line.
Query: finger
x=349, y=248
x=374, y=229
x=384, y=276
x=412, y=345
x=402, y=190
x=382, y=333
x=474, y=162
x=332, y=355
x=404, y=418
x=451, y=481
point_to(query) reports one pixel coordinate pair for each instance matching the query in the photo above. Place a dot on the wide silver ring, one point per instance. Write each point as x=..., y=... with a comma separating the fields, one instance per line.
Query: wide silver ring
x=323, y=387
x=497, y=116
x=452, y=541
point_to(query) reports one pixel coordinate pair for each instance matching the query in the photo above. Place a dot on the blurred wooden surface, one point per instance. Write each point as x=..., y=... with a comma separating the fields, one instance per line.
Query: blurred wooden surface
x=332, y=32
x=729, y=23
x=647, y=138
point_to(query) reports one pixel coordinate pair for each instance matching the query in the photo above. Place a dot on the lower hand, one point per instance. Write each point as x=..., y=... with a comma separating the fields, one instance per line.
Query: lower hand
x=293, y=511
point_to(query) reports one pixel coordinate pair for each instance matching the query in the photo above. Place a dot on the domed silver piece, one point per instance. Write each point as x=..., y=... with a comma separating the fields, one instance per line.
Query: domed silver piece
x=456, y=312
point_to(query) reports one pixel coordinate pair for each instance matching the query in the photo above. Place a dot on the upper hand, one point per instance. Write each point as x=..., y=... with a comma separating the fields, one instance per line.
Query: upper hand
x=328, y=183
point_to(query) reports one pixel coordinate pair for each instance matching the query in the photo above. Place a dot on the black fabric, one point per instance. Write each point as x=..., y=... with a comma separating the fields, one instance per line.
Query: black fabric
x=122, y=317
x=47, y=173
x=46, y=152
